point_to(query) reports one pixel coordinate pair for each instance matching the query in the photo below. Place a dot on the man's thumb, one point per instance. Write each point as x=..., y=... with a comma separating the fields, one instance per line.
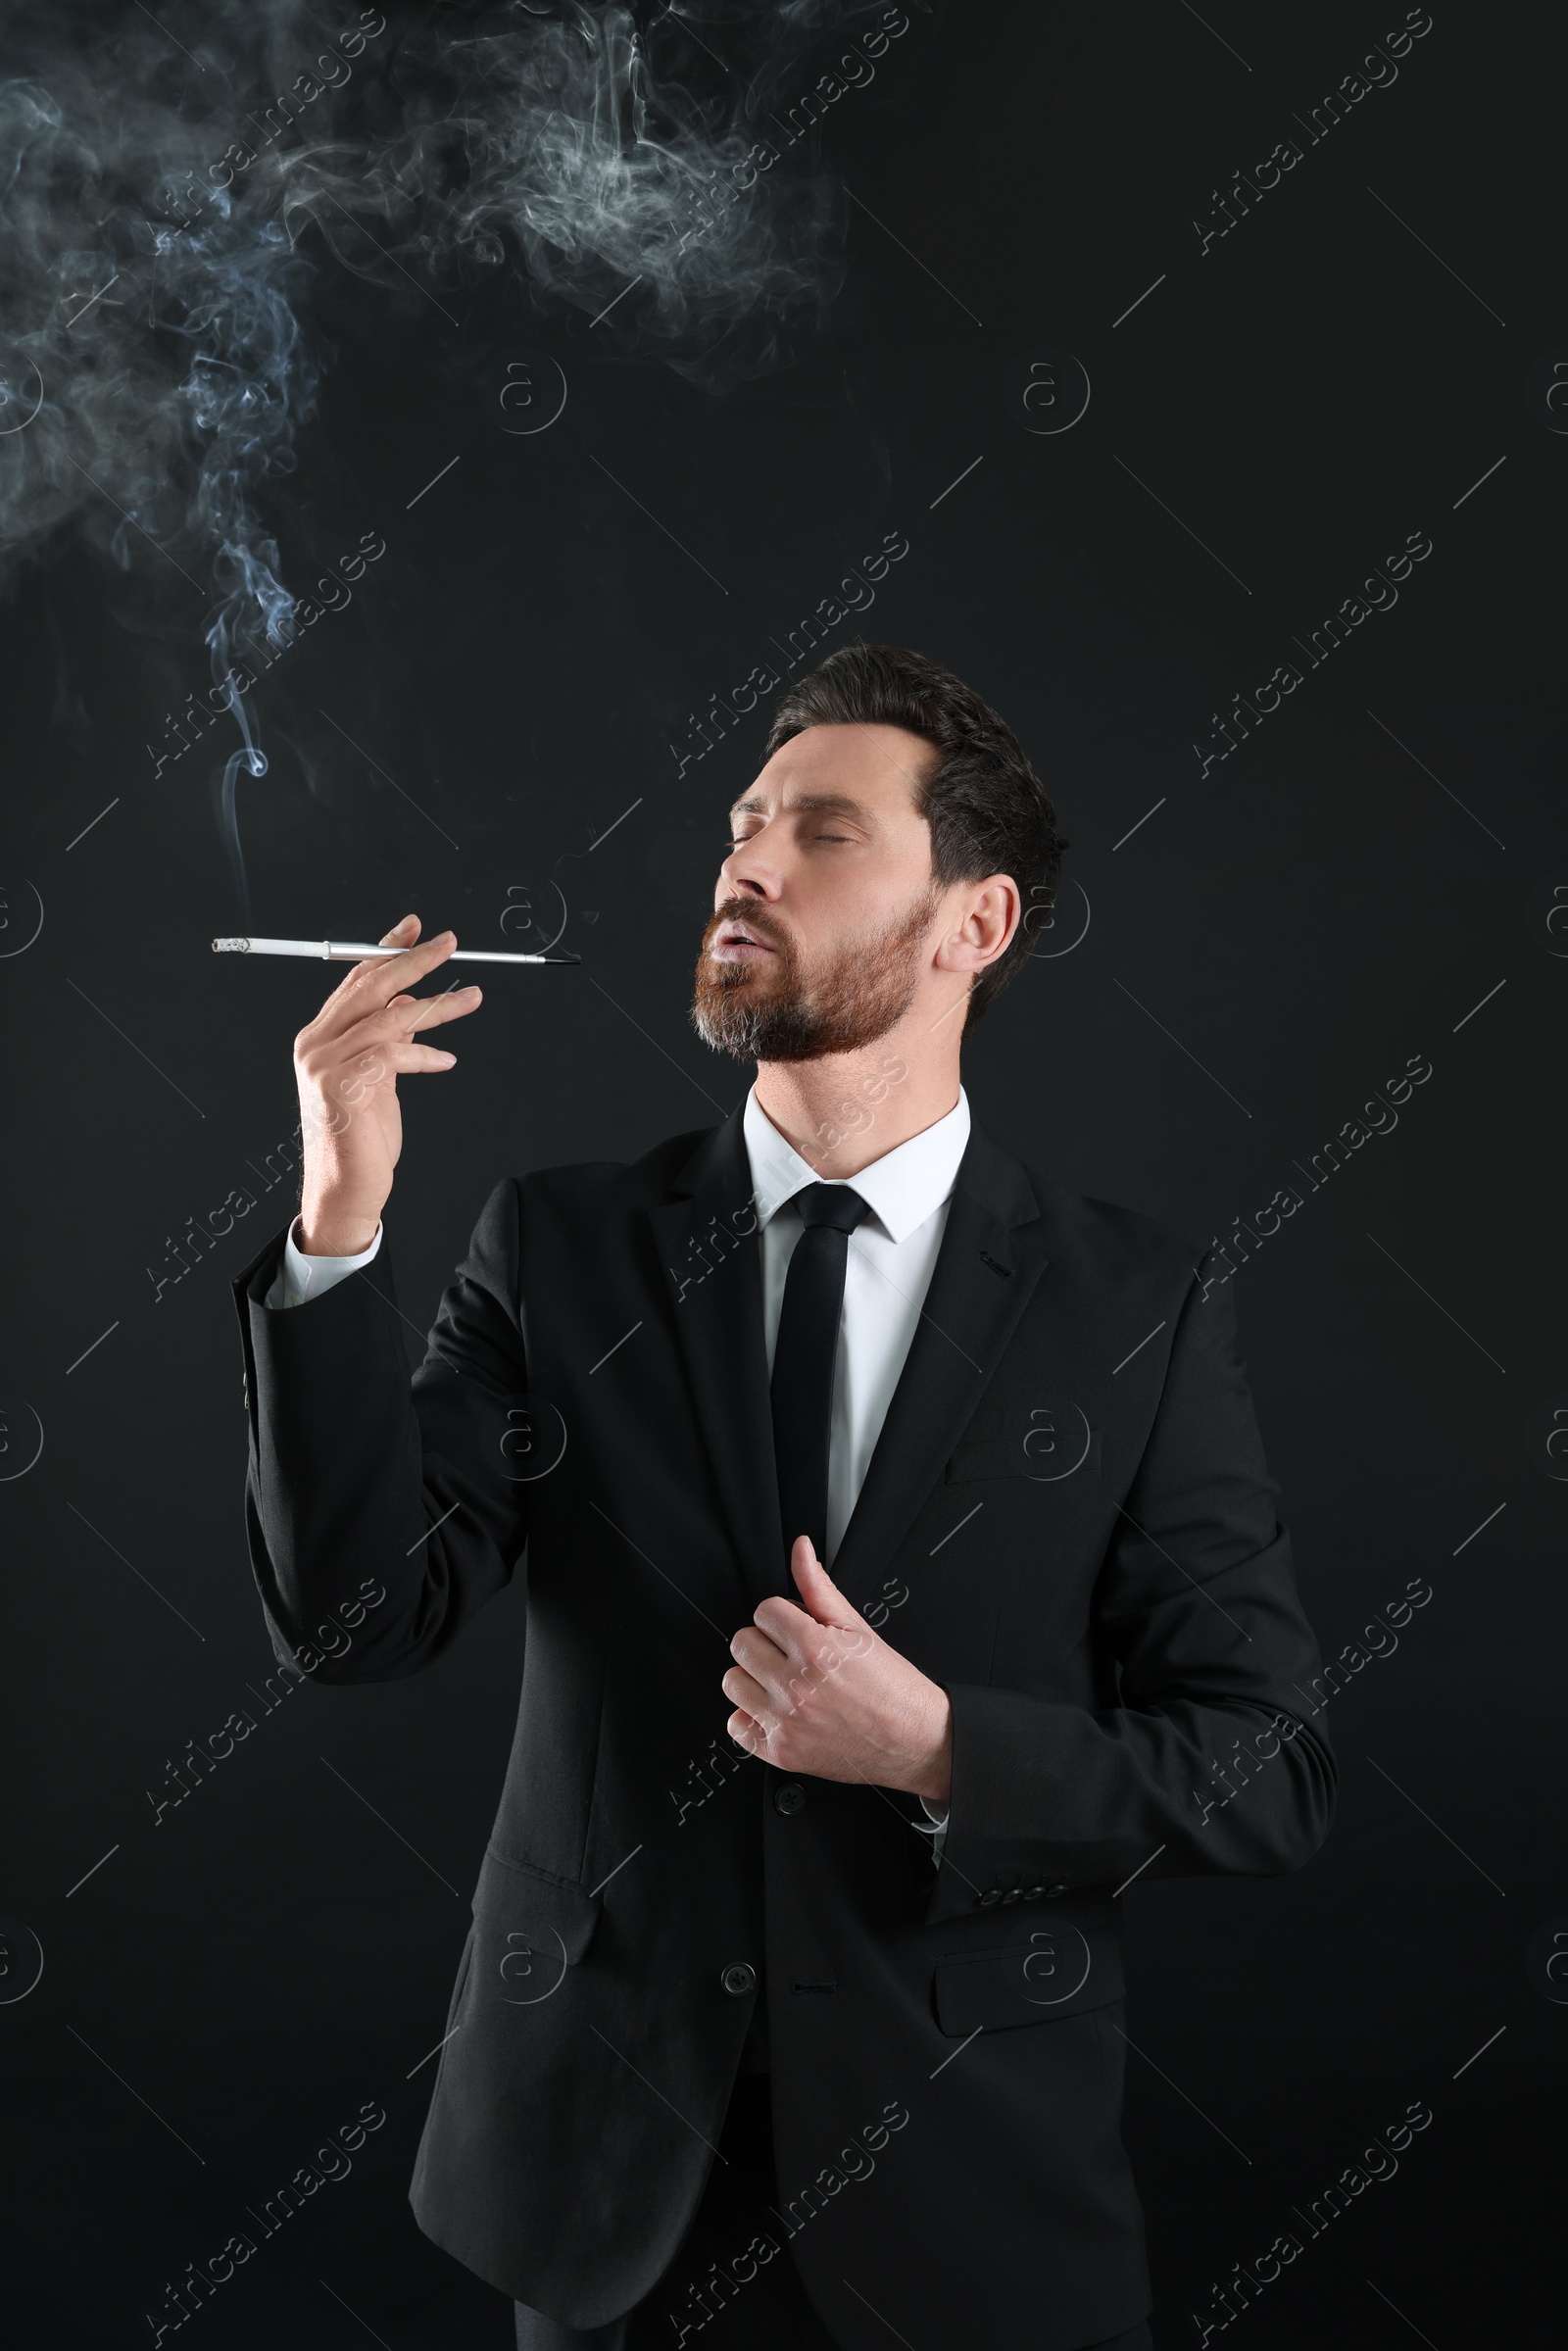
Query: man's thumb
x=819, y=1595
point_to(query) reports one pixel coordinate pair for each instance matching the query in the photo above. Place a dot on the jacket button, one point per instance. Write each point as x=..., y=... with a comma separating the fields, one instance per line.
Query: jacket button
x=1032, y=1893
x=791, y=1797
x=1011, y=1894
x=993, y=1894
x=1051, y=1891
x=739, y=1977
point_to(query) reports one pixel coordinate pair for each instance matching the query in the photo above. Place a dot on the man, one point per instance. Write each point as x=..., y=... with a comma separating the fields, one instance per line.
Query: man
x=791, y=2008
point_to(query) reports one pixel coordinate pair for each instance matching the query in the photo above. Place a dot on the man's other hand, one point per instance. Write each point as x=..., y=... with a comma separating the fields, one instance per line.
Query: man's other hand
x=815, y=1690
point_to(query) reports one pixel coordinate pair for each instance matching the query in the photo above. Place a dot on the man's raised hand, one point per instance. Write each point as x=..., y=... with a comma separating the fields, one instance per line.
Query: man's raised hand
x=347, y=1063
x=815, y=1690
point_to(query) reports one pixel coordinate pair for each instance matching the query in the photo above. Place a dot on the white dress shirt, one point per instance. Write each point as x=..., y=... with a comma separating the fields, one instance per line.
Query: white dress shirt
x=887, y=1272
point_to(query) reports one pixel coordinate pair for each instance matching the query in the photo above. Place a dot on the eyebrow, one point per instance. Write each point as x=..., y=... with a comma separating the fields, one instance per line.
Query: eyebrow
x=839, y=803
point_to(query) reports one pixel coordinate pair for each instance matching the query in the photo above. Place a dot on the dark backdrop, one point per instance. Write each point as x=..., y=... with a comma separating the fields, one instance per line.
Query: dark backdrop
x=1362, y=881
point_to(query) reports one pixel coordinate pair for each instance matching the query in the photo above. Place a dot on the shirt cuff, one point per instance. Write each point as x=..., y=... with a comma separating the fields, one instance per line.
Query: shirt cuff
x=300, y=1279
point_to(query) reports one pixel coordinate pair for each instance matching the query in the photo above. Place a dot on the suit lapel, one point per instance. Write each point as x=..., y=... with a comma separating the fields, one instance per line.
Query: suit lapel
x=993, y=1252
x=708, y=1242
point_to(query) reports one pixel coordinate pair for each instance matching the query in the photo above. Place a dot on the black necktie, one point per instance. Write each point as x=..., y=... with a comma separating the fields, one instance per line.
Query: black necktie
x=803, y=1354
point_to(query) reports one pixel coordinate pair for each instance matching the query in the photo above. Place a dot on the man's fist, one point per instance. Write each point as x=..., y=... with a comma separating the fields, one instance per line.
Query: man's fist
x=815, y=1690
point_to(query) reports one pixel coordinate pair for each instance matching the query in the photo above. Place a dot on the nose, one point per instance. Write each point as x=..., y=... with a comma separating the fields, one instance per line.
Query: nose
x=747, y=872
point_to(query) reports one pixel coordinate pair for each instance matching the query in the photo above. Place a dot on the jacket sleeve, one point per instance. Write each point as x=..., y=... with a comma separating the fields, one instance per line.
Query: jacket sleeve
x=1213, y=1758
x=382, y=1512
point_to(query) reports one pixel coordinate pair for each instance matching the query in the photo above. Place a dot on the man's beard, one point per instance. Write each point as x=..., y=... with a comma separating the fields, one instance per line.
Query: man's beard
x=781, y=1010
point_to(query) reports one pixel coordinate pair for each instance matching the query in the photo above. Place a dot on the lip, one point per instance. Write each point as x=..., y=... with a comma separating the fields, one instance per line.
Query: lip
x=738, y=943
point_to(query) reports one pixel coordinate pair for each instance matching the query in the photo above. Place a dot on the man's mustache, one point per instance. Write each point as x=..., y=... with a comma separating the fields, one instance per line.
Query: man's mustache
x=740, y=909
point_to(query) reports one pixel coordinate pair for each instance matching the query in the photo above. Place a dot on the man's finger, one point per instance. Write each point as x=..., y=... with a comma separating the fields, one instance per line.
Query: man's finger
x=406, y=1060
x=801, y=1637
x=375, y=983
x=403, y=934
x=753, y=1645
x=386, y=976
x=425, y=1012
x=768, y=1666
x=743, y=1690
x=786, y=1626
x=379, y=1028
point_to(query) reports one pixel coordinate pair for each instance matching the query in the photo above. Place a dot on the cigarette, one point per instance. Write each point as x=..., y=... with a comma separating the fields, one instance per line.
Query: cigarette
x=353, y=950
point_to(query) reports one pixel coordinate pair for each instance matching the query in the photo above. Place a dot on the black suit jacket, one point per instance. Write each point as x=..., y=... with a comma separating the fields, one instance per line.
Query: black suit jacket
x=1069, y=1523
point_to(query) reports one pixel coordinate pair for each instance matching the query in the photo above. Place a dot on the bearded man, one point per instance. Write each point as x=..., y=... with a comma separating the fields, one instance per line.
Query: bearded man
x=904, y=1578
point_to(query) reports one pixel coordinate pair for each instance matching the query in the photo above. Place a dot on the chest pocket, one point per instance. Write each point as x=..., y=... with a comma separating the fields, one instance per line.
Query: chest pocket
x=1047, y=1438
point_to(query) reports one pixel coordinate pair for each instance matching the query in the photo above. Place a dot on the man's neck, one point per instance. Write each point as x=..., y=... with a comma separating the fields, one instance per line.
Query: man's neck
x=847, y=1109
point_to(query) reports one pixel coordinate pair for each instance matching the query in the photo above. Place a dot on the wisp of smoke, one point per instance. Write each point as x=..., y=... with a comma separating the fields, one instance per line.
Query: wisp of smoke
x=173, y=194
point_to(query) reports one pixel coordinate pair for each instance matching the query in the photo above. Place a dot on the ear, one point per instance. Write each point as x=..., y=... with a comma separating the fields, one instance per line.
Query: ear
x=986, y=918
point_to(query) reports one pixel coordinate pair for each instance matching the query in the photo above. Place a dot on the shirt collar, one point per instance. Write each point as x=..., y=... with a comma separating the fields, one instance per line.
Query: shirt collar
x=902, y=1188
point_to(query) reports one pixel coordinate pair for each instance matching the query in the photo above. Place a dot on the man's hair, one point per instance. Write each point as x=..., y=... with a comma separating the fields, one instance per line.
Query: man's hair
x=988, y=811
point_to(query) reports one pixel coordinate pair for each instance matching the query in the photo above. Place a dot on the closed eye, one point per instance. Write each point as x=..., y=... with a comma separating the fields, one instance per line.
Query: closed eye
x=739, y=840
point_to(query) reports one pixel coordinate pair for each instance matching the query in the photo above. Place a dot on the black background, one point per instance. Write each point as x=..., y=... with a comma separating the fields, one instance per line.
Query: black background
x=1272, y=943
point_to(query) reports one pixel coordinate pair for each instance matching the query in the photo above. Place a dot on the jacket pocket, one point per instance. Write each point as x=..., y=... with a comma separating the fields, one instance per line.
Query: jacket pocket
x=529, y=1927
x=1055, y=1971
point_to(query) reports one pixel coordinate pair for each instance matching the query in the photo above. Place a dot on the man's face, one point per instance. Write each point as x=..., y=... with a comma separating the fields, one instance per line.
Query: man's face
x=825, y=910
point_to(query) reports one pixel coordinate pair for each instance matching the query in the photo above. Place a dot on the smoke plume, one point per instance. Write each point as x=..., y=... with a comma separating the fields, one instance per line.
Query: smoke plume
x=179, y=193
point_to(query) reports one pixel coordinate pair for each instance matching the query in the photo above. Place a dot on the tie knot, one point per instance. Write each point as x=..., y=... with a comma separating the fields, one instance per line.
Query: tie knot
x=837, y=1206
